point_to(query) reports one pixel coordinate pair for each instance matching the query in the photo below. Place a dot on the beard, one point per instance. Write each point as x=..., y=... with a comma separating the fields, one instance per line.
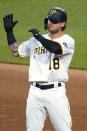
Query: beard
x=54, y=31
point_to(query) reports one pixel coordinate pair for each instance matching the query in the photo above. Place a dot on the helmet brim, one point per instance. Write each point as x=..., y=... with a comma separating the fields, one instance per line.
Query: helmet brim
x=53, y=19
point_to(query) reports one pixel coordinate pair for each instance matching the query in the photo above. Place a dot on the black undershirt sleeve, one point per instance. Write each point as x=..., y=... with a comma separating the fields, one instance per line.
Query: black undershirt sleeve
x=10, y=38
x=50, y=45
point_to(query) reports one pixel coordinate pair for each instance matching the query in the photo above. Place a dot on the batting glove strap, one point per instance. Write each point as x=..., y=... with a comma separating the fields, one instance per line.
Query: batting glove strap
x=35, y=33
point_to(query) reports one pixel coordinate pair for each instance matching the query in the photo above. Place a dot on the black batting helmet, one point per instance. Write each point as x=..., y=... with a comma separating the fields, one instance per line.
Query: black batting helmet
x=55, y=15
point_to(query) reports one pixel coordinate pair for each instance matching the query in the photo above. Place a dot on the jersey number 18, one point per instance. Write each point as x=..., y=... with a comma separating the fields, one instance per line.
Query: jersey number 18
x=54, y=64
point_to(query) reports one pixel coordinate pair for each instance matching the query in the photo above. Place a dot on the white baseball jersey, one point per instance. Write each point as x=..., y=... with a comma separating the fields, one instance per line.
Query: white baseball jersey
x=44, y=65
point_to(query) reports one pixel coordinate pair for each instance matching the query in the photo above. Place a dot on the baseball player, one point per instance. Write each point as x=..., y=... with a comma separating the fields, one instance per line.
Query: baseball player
x=50, y=57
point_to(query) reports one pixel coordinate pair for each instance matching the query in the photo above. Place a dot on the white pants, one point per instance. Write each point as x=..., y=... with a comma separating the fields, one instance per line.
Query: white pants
x=52, y=102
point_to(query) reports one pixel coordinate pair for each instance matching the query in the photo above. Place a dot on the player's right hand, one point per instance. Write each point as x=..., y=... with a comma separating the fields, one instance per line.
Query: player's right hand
x=9, y=23
x=36, y=33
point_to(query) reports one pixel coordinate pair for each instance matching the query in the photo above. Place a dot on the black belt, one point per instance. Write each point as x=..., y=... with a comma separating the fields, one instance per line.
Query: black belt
x=44, y=87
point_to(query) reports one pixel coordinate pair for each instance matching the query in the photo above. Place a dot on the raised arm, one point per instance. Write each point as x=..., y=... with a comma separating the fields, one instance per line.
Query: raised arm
x=8, y=25
x=50, y=45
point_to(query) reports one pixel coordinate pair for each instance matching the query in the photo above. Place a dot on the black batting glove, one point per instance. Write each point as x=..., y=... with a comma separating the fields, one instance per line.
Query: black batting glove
x=9, y=23
x=36, y=33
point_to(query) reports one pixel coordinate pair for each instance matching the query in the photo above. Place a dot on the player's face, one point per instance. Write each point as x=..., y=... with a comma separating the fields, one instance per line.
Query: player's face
x=54, y=28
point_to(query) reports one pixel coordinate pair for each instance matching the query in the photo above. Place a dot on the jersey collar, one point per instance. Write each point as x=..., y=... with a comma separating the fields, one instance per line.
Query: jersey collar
x=57, y=37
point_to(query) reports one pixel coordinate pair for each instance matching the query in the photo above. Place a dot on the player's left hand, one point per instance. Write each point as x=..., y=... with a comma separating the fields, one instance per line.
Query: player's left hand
x=36, y=33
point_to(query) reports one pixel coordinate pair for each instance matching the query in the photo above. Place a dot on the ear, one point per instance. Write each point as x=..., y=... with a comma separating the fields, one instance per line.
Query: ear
x=63, y=24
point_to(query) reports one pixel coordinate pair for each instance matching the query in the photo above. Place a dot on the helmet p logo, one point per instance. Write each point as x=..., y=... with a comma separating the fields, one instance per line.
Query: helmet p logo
x=54, y=11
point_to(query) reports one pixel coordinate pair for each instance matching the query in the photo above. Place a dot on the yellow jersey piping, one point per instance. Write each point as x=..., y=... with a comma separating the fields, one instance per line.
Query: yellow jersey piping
x=57, y=37
x=19, y=53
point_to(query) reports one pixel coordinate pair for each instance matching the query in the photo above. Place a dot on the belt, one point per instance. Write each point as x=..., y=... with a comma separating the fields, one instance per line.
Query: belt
x=45, y=87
